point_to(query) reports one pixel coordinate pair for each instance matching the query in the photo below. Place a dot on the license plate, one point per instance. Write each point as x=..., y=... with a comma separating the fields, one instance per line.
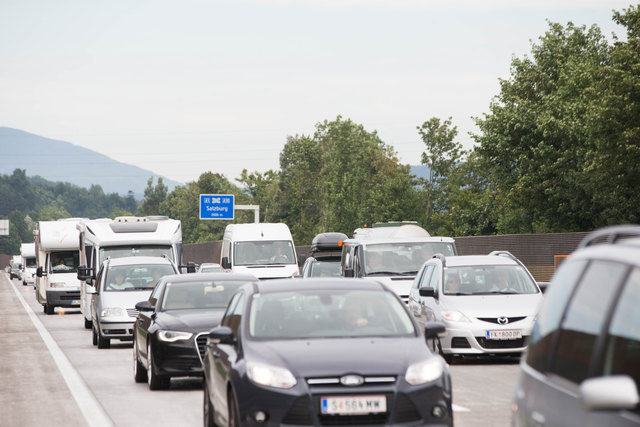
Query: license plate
x=75, y=302
x=504, y=334
x=353, y=405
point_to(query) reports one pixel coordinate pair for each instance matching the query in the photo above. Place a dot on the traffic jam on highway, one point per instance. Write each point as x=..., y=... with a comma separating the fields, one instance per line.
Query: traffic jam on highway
x=365, y=330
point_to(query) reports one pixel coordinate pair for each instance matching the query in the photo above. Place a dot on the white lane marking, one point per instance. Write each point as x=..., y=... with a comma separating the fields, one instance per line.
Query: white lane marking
x=93, y=412
x=458, y=408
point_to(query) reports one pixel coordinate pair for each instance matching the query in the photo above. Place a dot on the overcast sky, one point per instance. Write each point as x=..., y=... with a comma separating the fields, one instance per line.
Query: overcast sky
x=184, y=87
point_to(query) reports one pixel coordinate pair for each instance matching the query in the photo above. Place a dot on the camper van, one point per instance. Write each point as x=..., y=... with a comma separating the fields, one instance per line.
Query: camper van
x=106, y=238
x=263, y=250
x=28, y=254
x=57, y=256
x=392, y=253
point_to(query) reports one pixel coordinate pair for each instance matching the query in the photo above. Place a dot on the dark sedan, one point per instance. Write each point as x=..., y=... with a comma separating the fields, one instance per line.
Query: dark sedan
x=171, y=328
x=329, y=352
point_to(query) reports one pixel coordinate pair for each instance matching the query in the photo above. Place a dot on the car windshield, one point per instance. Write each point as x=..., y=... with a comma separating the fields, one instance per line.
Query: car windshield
x=401, y=258
x=488, y=280
x=264, y=253
x=135, y=277
x=328, y=313
x=199, y=294
x=126, y=251
x=30, y=262
x=65, y=262
x=325, y=269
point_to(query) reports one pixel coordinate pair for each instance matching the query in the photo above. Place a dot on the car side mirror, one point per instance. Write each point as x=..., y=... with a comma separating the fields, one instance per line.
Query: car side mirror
x=145, y=306
x=427, y=292
x=610, y=393
x=40, y=272
x=84, y=273
x=221, y=335
x=348, y=272
x=224, y=262
x=433, y=329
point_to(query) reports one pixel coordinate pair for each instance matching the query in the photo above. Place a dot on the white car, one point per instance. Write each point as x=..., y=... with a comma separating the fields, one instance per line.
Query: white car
x=488, y=303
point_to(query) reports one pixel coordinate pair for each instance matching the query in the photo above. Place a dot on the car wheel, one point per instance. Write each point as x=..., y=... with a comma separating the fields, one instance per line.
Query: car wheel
x=139, y=373
x=155, y=382
x=87, y=323
x=102, y=341
x=95, y=336
x=207, y=408
x=234, y=413
x=24, y=283
x=49, y=309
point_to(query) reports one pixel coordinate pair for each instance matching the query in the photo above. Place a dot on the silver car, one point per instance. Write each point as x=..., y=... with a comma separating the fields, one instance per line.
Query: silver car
x=487, y=303
x=120, y=284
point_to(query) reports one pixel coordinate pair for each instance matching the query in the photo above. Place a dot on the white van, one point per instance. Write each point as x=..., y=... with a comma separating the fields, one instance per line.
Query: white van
x=392, y=253
x=265, y=251
x=57, y=258
x=106, y=238
x=28, y=254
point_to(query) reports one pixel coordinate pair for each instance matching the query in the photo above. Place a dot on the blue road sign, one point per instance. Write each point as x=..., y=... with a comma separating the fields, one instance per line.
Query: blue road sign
x=216, y=206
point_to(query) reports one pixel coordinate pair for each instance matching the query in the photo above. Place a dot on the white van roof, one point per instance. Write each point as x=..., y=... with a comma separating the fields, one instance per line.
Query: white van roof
x=28, y=249
x=60, y=234
x=257, y=231
x=401, y=232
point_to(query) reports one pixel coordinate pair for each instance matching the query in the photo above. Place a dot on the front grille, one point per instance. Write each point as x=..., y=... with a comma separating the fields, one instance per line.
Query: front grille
x=70, y=296
x=201, y=345
x=460, y=342
x=499, y=344
x=405, y=410
x=114, y=331
x=182, y=364
x=335, y=380
x=497, y=322
x=299, y=413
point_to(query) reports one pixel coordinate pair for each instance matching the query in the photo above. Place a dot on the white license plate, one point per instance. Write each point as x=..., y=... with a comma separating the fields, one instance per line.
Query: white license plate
x=75, y=302
x=353, y=405
x=504, y=334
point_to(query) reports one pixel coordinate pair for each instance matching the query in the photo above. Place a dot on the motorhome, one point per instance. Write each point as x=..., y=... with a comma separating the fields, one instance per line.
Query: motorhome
x=28, y=254
x=263, y=250
x=105, y=238
x=57, y=257
x=392, y=253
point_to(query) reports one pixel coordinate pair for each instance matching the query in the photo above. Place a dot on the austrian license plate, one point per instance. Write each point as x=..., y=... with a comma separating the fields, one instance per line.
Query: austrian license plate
x=75, y=302
x=353, y=405
x=504, y=334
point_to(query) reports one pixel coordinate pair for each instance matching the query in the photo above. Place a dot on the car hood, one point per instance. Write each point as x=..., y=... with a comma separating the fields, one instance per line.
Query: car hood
x=192, y=320
x=493, y=305
x=340, y=356
x=401, y=285
x=123, y=299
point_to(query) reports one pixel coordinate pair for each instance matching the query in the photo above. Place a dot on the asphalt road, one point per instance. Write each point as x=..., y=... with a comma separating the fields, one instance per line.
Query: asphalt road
x=51, y=374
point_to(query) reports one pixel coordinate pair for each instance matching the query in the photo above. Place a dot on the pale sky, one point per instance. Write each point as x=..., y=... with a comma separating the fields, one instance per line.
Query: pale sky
x=190, y=86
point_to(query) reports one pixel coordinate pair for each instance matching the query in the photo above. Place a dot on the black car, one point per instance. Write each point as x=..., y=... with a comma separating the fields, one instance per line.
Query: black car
x=171, y=328
x=329, y=352
x=324, y=258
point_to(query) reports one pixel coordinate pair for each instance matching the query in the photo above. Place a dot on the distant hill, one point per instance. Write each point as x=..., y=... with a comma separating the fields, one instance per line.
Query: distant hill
x=61, y=161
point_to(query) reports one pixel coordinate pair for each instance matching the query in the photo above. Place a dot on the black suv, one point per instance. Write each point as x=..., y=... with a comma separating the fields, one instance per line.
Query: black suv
x=582, y=367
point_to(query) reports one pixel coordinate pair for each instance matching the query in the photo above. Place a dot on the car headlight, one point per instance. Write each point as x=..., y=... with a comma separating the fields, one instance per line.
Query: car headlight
x=424, y=372
x=455, y=316
x=113, y=312
x=172, y=336
x=270, y=376
x=58, y=285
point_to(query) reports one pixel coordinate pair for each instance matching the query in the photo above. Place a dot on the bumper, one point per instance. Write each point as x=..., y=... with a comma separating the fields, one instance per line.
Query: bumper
x=473, y=339
x=116, y=328
x=405, y=405
x=177, y=359
x=63, y=298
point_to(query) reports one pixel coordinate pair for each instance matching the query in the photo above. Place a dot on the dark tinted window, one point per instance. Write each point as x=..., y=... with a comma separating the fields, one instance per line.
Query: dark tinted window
x=622, y=354
x=234, y=313
x=584, y=319
x=550, y=314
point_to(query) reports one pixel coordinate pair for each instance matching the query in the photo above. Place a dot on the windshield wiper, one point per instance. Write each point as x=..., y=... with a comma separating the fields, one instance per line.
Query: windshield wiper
x=497, y=293
x=385, y=273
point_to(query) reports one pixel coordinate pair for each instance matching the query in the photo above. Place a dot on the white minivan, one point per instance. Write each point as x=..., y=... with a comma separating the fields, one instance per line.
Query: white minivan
x=264, y=250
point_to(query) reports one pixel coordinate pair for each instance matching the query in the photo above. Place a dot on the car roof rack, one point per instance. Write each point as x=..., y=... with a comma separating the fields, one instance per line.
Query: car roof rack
x=610, y=235
x=508, y=255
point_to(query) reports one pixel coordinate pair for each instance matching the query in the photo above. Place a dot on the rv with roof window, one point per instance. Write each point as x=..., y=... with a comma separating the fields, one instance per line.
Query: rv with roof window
x=57, y=256
x=28, y=254
x=105, y=238
x=261, y=249
x=391, y=253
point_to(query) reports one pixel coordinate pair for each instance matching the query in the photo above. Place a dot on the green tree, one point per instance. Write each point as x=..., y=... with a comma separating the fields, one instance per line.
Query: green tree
x=263, y=190
x=153, y=197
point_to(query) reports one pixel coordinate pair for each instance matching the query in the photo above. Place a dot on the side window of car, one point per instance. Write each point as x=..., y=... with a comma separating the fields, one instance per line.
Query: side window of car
x=584, y=319
x=99, y=278
x=233, y=315
x=424, y=280
x=623, y=339
x=435, y=278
